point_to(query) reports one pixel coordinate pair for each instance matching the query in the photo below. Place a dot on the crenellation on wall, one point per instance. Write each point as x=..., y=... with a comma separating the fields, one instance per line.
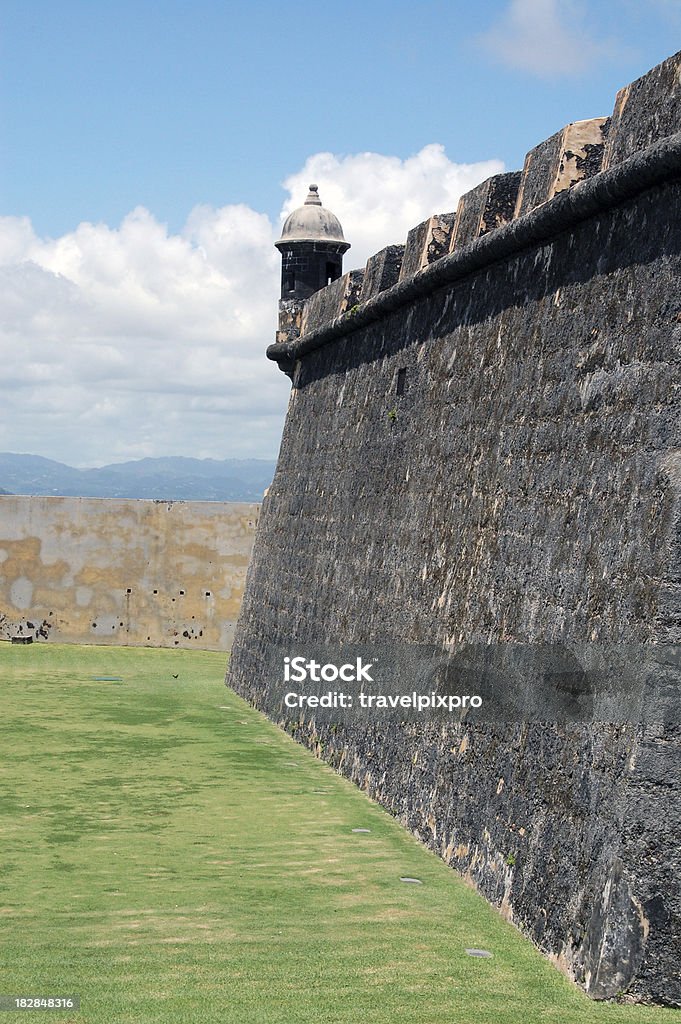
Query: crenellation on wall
x=331, y=302
x=599, y=193
x=485, y=208
x=426, y=243
x=290, y=315
x=414, y=249
x=558, y=163
x=382, y=271
x=645, y=112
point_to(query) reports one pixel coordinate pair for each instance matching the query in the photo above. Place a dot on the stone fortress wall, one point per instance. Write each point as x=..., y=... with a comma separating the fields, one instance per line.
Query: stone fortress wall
x=483, y=445
x=123, y=571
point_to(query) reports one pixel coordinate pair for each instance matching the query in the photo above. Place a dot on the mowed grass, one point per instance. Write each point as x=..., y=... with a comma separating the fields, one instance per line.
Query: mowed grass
x=170, y=856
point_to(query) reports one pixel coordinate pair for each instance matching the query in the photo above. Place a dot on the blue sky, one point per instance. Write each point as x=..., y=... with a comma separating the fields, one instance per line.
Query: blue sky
x=149, y=150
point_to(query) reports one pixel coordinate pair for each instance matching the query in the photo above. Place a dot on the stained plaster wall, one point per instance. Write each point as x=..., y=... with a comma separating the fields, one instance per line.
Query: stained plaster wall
x=123, y=571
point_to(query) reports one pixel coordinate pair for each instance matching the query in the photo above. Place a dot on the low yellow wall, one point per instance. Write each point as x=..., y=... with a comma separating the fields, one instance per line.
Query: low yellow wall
x=123, y=571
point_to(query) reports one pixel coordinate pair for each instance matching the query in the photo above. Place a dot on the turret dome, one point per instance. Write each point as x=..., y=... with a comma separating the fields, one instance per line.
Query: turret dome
x=312, y=223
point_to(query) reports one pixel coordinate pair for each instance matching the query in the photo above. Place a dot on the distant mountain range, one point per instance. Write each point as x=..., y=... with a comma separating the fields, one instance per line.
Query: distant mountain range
x=165, y=479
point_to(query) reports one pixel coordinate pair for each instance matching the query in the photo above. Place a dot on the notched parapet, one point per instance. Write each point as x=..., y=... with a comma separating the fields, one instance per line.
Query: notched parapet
x=558, y=163
x=486, y=207
x=646, y=111
x=382, y=271
x=426, y=243
x=331, y=302
x=290, y=311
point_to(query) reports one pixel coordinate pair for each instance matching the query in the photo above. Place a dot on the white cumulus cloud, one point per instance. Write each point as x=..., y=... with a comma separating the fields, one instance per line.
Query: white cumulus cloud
x=547, y=38
x=127, y=341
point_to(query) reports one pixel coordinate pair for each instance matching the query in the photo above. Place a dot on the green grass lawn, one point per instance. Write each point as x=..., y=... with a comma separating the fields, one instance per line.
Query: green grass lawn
x=170, y=856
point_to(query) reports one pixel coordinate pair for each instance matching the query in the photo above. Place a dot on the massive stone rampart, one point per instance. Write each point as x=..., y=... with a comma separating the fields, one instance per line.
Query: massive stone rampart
x=487, y=450
x=123, y=571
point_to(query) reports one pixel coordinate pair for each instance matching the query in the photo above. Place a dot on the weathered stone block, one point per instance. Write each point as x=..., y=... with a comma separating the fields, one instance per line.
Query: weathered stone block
x=486, y=207
x=290, y=311
x=382, y=271
x=569, y=156
x=426, y=243
x=645, y=111
x=331, y=302
x=353, y=288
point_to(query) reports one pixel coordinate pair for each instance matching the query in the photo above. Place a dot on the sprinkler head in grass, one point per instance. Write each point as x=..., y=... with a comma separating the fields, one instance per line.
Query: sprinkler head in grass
x=482, y=953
